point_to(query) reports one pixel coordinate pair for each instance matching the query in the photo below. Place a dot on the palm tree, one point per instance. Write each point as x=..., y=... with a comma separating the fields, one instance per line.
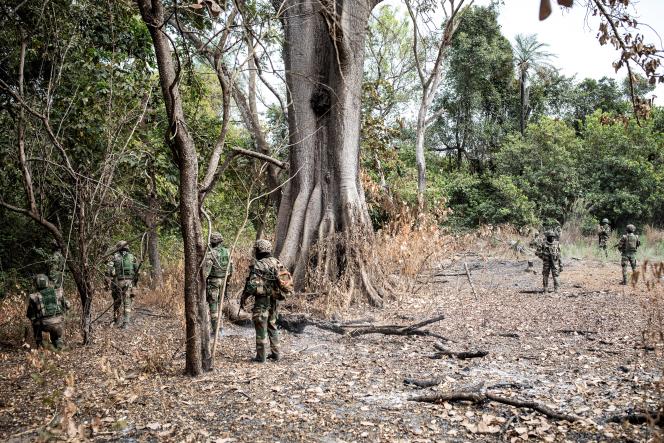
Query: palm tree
x=529, y=55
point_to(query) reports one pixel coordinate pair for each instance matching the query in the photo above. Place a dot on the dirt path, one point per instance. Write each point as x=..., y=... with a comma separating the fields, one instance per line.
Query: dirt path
x=333, y=388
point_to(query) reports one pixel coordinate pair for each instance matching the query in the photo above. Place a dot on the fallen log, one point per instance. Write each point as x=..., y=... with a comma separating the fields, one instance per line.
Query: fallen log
x=297, y=324
x=483, y=397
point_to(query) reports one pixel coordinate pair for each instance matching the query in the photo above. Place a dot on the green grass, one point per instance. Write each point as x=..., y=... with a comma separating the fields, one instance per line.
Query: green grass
x=588, y=248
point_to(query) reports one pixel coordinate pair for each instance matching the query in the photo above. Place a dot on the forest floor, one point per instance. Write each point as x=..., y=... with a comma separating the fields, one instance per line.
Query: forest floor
x=580, y=351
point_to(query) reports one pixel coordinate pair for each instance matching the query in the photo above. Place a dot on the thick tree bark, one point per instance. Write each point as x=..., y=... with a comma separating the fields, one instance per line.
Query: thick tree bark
x=197, y=339
x=324, y=199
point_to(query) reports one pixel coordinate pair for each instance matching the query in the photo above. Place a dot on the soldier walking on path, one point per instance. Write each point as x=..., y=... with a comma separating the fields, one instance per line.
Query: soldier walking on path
x=603, y=234
x=549, y=252
x=627, y=246
x=122, y=276
x=217, y=268
x=268, y=282
x=46, y=309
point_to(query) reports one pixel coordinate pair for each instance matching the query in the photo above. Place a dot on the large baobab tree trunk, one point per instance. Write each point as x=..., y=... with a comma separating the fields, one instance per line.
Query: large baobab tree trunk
x=324, y=198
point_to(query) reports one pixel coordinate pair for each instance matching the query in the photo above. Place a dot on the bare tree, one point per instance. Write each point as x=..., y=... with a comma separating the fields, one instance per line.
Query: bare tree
x=429, y=63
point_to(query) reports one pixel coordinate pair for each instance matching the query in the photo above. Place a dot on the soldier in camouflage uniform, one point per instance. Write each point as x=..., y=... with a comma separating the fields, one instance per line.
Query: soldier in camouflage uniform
x=56, y=265
x=217, y=268
x=549, y=252
x=627, y=246
x=262, y=284
x=603, y=234
x=46, y=309
x=122, y=276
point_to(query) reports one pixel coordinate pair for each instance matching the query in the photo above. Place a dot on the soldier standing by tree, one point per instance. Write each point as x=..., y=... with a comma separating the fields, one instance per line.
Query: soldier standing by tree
x=549, y=252
x=603, y=234
x=122, y=276
x=46, y=309
x=627, y=246
x=268, y=282
x=217, y=268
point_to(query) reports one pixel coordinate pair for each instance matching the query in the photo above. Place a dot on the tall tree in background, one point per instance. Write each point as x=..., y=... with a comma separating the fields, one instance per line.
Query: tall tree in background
x=473, y=103
x=429, y=61
x=529, y=56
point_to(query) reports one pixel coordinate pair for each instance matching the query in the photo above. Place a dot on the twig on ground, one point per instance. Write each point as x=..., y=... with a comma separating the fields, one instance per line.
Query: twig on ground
x=422, y=383
x=463, y=355
x=470, y=280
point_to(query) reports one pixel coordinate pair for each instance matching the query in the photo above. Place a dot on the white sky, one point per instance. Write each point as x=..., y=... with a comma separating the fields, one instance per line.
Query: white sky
x=572, y=39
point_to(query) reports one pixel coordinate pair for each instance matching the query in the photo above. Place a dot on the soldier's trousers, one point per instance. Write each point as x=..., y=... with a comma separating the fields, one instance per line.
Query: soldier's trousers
x=554, y=270
x=123, y=299
x=603, y=246
x=212, y=292
x=631, y=259
x=264, y=316
x=52, y=325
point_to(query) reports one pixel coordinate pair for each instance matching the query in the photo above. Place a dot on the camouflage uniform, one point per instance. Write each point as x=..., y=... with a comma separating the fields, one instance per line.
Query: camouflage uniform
x=46, y=309
x=549, y=252
x=56, y=266
x=122, y=275
x=603, y=234
x=263, y=286
x=217, y=268
x=627, y=246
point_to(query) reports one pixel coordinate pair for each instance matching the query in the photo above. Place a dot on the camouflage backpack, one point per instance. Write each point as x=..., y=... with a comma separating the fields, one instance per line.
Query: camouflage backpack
x=124, y=265
x=48, y=303
x=631, y=243
x=270, y=278
x=220, y=262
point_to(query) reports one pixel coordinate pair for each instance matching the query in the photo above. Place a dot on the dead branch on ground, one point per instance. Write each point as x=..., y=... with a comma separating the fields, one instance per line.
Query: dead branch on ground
x=483, y=397
x=297, y=323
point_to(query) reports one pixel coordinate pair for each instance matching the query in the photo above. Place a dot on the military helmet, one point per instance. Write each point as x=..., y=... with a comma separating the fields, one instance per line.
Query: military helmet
x=263, y=245
x=122, y=245
x=215, y=238
x=41, y=281
x=631, y=228
x=605, y=221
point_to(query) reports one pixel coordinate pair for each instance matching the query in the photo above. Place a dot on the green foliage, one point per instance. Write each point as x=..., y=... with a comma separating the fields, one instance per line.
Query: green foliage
x=542, y=165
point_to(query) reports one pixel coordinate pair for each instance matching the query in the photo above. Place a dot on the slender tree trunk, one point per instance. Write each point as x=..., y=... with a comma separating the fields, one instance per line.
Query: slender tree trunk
x=324, y=199
x=522, y=96
x=419, y=149
x=197, y=340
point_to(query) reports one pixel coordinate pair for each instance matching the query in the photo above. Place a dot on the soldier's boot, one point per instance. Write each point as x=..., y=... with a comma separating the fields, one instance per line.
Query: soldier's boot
x=276, y=356
x=556, y=284
x=213, y=324
x=126, y=320
x=260, y=352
